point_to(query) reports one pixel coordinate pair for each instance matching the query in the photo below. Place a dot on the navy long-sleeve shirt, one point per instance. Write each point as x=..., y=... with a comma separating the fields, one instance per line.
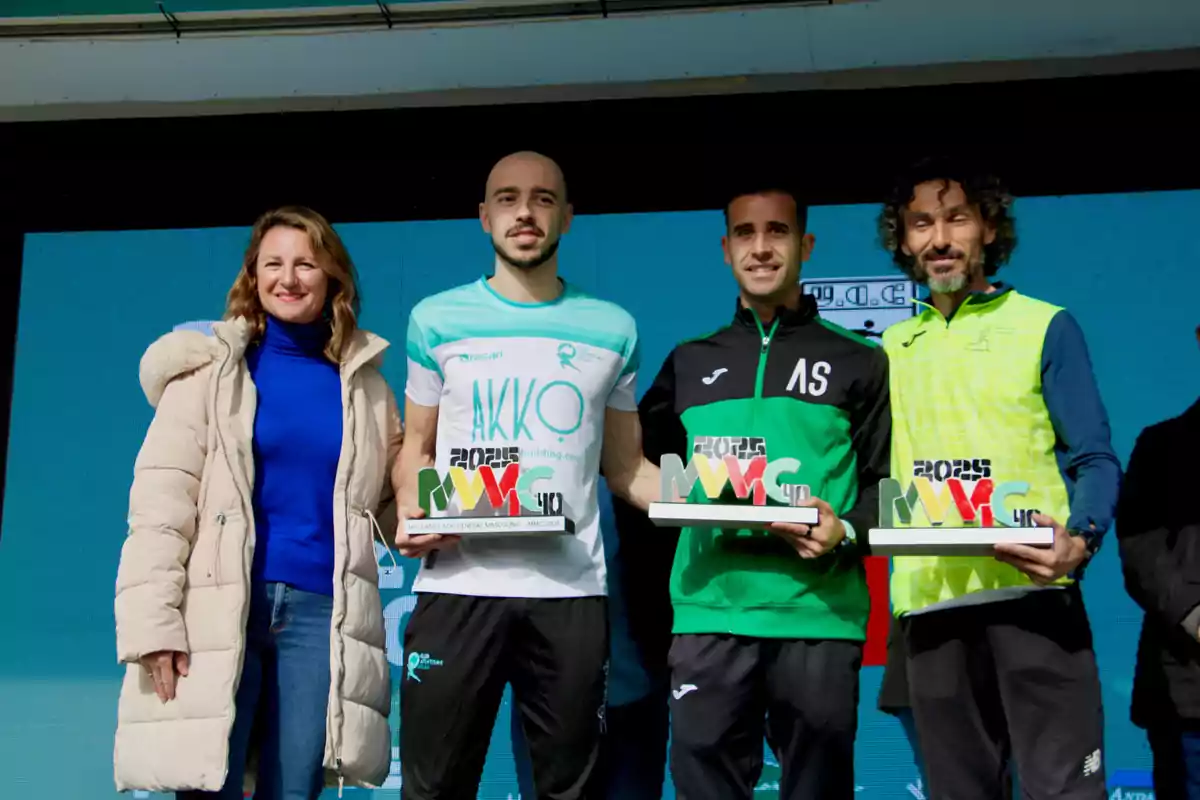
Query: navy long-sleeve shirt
x=1084, y=450
x=1086, y=459
x=297, y=442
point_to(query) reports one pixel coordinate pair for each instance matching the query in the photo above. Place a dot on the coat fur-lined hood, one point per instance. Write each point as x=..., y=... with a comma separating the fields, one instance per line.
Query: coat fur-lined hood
x=174, y=354
x=183, y=351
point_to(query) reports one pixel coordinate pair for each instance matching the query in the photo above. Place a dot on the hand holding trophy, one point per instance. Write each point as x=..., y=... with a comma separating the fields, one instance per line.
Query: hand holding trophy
x=813, y=541
x=417, y=545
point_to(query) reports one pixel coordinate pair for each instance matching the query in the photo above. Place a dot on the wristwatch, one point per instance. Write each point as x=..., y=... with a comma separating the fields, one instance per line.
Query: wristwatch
x=1091, y=544
x=1090, y=540
x=850, y=539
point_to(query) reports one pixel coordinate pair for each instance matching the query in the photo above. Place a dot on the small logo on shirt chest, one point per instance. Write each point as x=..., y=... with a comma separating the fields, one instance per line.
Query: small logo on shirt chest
x=494, y=355
x=981, y=342
x=566, y=355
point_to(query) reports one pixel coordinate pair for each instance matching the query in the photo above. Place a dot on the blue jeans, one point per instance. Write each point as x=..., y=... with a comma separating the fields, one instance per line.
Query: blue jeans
x=1176, y=763
x=283, y=697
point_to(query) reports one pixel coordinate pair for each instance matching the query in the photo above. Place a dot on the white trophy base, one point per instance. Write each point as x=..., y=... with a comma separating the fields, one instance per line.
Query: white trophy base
x=713, y=515
x=953, y=541
x=523, y=525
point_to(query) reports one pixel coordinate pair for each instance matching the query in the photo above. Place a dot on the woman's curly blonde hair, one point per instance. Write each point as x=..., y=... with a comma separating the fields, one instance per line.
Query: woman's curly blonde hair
x=341, y=300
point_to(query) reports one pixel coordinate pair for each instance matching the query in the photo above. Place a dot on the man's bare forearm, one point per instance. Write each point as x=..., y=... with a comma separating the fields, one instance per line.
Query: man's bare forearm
x=638, y=487
x=404, y=474
x=630, y=475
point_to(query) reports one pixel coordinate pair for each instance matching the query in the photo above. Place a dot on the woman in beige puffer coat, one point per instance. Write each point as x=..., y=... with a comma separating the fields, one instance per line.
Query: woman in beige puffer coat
x=236, y=678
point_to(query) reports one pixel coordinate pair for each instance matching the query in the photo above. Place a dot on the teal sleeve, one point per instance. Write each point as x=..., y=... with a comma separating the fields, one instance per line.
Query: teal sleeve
x=417, y=344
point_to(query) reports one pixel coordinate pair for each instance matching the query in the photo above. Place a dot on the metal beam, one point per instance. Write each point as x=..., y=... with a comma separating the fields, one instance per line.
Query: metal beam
x=855, y=79
x=377, y=15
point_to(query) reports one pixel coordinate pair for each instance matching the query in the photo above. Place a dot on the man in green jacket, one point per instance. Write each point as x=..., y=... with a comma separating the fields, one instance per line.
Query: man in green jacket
x=769, y=625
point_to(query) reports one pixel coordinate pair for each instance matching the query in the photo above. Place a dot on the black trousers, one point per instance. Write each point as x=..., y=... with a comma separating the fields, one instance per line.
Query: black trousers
x=460, y=651
x=1176, y=749
x=893, y=688
x=728, y=691
x=635, y=748
x=1011, y=679
x=633, y=751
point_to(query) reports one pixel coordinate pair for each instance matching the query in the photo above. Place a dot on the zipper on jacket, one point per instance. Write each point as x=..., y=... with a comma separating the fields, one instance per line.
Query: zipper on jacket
x=762, y=353
x=243, y=495
x=946, y=322
x=216, y=562
x=338, y=636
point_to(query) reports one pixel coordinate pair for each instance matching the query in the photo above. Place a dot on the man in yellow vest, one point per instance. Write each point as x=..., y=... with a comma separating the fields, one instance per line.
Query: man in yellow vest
x=990, y=386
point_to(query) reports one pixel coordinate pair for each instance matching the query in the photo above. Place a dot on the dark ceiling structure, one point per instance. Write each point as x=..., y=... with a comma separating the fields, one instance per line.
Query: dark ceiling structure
x=1045, y=137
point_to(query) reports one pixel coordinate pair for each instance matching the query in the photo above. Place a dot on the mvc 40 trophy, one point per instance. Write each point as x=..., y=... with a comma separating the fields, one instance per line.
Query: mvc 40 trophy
x=962, y=486
x=737, y=462
x=487, y=493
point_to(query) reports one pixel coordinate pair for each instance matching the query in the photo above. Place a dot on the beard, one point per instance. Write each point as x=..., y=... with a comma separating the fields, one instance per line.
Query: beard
x=949, y=284
x=527, y=261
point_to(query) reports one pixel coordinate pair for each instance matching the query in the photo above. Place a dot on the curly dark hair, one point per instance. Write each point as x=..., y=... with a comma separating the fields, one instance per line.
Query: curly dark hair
x=982, y=189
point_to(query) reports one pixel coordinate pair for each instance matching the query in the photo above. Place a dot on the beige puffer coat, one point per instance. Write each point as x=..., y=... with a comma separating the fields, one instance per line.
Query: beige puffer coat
x=184, y=575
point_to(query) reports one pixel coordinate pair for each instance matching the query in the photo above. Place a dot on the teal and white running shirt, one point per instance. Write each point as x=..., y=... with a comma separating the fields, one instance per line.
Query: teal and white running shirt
x=527, y=382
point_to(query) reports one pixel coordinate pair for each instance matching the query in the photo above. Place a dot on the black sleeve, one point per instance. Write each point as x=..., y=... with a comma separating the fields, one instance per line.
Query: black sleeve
x=646, y=551
x=1160, y=552
x=662, y=429
x=871, y=437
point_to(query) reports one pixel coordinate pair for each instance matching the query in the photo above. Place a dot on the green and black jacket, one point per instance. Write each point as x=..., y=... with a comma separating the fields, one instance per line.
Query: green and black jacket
x=810, y=390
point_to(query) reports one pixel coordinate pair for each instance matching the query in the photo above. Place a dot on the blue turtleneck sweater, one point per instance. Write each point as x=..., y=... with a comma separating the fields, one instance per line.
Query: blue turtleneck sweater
x=297, y=441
